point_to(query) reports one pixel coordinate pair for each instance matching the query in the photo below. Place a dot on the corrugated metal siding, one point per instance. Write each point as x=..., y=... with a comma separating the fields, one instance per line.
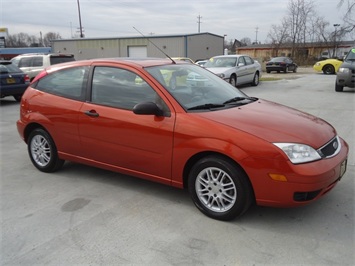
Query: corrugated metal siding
x=195, y=46
x=204, y=46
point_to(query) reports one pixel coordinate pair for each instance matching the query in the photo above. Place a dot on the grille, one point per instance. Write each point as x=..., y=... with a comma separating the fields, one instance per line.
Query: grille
x=330, y=149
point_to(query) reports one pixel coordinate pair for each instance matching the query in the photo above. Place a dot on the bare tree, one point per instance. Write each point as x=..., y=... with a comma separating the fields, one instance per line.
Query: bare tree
x=300, y=13
x=349, y=18
x=246, y=41
x=20, y=40
x=279, y=36
x=48, y=37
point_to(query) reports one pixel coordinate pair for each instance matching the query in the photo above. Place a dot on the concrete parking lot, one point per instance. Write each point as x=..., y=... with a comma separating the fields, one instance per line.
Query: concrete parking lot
x=87, y=216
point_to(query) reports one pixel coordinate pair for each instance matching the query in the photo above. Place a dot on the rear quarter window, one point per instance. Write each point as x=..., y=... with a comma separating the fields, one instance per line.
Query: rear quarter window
x=69, y=83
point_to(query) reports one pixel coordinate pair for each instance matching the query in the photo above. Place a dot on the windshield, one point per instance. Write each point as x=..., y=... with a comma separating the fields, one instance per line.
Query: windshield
x=351, y=55
x=221, y=62
x=196, y=88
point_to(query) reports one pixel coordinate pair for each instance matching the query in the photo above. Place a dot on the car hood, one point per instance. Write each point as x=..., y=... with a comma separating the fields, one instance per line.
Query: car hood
x=218, y=70
x=348, y=64
x=275, y=123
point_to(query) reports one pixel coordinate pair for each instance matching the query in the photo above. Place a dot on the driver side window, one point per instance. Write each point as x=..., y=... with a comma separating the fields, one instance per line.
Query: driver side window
x=120, y=88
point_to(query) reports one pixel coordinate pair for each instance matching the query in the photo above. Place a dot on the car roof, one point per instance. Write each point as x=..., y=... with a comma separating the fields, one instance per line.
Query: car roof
x=136, y=62
x=229, y=56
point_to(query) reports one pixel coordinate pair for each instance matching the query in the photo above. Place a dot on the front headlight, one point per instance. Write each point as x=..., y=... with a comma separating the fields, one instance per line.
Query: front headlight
x=344, y=70
x=299, y=153
x=221, y=75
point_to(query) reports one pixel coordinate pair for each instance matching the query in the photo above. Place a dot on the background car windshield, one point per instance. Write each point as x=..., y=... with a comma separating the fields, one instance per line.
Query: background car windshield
x=221, y=62
x=351, y=55
x=192, y=85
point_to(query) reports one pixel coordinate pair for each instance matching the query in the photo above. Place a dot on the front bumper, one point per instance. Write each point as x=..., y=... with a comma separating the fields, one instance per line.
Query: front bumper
x=346, y=79
x=305, y=182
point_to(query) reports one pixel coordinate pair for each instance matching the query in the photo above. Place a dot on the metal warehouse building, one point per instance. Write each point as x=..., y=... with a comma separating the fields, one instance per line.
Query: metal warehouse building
x=195, y=46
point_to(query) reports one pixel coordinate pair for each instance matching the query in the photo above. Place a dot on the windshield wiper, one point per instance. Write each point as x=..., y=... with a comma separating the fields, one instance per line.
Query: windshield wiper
x=239, y=99
x=206, y=106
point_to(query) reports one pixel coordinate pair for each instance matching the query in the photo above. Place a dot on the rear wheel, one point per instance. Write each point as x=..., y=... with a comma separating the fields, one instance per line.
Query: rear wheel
x=17, y=98
x=328, y=69
x=219, y=188
x=43, y=152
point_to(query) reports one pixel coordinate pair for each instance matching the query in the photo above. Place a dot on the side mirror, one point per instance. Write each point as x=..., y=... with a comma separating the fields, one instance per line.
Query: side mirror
x=147, y=108
x=240, y=64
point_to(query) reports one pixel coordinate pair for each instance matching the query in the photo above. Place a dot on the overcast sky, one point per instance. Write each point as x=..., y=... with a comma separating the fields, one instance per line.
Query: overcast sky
x=116, y=18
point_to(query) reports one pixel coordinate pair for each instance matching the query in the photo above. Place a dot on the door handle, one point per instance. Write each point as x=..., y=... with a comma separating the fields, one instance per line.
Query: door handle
x=91, y=113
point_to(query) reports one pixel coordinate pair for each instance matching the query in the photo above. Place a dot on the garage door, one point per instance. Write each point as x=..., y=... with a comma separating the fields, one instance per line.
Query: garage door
x=137, y=51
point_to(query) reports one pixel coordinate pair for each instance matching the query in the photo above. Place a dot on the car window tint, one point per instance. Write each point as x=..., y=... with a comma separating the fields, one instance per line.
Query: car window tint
x=25, y=62
x=248, y=60
x=54, y=59
x=241, y=60
x=120, y=88
x=37, y=61
x=69, y=83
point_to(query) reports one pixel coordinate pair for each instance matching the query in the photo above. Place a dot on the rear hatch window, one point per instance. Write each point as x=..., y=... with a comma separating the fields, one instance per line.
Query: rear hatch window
x=57, y=59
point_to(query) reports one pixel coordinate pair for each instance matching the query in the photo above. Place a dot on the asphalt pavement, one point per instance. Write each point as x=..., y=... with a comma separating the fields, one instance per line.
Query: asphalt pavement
x=86, y=216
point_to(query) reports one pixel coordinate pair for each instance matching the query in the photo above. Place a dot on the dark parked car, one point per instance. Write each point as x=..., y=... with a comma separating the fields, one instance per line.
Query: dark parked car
x=228, y=149
x=346, y=72
x=13, y=81
x=284, y=64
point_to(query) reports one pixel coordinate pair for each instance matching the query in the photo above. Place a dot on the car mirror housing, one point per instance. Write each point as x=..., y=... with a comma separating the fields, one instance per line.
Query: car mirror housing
x=148, y=108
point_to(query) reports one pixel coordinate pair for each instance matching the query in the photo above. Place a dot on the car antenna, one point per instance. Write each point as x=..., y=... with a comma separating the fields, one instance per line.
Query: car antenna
x=155, y=45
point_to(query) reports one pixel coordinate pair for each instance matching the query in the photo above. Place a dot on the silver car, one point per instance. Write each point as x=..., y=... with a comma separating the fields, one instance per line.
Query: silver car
x=235, y=69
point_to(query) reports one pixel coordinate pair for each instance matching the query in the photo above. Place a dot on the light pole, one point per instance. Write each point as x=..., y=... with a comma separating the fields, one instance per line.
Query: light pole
x=81, y=28
x=335, y=40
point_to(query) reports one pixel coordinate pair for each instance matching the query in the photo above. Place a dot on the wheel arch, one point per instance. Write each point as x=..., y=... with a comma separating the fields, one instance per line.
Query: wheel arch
x=29, y=128
x=195, y=158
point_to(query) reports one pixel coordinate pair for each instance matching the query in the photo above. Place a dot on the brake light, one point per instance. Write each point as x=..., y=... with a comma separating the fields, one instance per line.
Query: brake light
x=27, y=78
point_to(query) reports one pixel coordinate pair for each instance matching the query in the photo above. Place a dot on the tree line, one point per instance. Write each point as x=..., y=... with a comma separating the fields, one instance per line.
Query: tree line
x=302, y=25
x=25, y=40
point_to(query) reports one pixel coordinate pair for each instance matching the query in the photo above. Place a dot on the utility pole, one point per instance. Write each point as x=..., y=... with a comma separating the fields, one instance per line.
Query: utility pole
x=199, y=22
x=81, y=28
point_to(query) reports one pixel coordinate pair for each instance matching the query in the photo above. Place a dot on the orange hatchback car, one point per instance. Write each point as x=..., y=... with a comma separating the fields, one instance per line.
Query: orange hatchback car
x=179, y=124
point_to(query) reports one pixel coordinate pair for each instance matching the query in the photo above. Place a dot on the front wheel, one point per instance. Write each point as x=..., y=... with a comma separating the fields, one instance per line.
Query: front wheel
x=338, y=87
x=233, y=80
x=43, y=152
x=219, y=188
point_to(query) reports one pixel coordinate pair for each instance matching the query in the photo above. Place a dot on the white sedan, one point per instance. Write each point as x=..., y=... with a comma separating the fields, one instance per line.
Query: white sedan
x=235, y=69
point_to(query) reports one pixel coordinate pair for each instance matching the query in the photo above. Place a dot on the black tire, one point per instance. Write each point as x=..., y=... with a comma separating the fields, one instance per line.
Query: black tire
x=255, y=79
x=295, y=69
x=286, y=69
x=338, y=87
x=219, y=188
x=17, y=98
x=43, y=152
x=233, y=80
x=328, y=69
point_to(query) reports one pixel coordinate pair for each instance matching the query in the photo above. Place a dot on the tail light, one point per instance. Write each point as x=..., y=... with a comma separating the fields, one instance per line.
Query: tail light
x=27, y=78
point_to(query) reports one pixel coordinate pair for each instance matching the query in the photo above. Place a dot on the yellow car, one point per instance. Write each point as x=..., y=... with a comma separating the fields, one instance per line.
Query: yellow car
x=328, y=66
